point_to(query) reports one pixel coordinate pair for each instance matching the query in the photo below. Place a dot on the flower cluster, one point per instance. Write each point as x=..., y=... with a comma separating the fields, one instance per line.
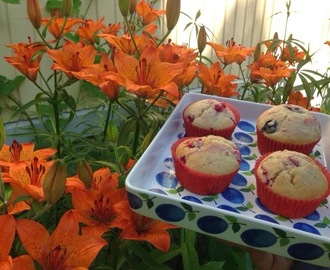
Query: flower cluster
x=97, y=203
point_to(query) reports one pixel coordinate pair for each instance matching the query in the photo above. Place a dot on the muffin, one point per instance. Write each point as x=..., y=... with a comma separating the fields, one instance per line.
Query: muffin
x=288, y=127
x=205, y=165
x=291, y=184
x=210, y=117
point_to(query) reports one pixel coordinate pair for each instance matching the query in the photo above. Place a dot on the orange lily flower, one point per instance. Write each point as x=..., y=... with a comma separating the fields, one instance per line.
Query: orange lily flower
x=269, y=69
x=56, y=23
x=173, y=53
x=22, y=152
x=297, y=98
x=65, y=248
x=137, y=227
x=231, y=53
x=216, y=82
x=88, y=32
x=26, y=58
x=94, y=207
x=73, y=58
x=96, y=75
x=7, y=229
x=125, y=42
x=147, y=13
x=292, y=59
x=28, y=177
x=112, y=29
x=147, y=76
x=22, y=262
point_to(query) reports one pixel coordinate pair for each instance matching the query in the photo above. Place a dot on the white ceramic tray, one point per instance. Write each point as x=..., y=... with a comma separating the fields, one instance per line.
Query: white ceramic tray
x=236, y=214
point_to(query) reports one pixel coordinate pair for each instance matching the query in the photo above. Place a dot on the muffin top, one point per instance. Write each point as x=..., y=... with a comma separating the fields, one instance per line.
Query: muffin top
x=209, y=154
x=290, y=124
x=293, y=175
x=209, y=113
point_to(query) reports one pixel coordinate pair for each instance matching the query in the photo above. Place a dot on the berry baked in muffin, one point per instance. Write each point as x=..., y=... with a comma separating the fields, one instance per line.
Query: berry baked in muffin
x=289, y=127
x=205, y=165
x=290, y=183
x=210, y=117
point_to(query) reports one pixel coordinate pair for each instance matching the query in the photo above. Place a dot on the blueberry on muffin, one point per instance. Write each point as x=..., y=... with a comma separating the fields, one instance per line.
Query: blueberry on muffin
x=289, y=127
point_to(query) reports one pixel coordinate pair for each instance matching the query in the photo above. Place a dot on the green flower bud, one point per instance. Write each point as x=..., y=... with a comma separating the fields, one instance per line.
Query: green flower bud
x=132, y=6
x=172, y=13
x=201, y=40
x=85, y=173
x=66, y=7
x=34, y=12
x=124, y=7
x=54, y=181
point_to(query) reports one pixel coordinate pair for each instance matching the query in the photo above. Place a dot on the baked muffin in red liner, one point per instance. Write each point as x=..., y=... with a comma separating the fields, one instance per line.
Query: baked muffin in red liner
x=205, y=165
x=210, y=117
x=291, y=184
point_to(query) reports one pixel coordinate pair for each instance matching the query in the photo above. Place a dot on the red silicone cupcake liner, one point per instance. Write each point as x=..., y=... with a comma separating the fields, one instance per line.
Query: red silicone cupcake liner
x=193, y=131
x=286, y=207
x=266, y=145
x=197, y=182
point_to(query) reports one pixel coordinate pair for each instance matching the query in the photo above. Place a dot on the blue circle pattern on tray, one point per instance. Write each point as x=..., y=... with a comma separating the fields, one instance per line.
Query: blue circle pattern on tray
x=239, y=197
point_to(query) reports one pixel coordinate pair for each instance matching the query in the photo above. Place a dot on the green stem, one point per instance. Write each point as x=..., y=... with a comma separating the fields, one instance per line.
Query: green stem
x=132, y=36
x=3, y=201
x=164, y=38
x=57, y=117
x=136, y=136
x=18, y=103
x=107, y=121
x=246, y=85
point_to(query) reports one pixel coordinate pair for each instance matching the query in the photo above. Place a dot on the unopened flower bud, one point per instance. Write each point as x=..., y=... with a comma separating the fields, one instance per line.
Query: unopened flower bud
x=34, y=12
x=257, y=52
x=66, y=7
x=124, y=7
x=2, y=133
x=54, y=181
x=132, y=6
x=172, y=13
x=201, y=41
x=85, y=173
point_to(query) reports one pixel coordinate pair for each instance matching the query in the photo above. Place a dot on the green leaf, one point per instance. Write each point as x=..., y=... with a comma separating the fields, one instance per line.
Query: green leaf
x=187, y=207
x=280, y=232
x=231, y=219
x=150, y=204
x=189, y=253
x=144, y=196
x=284, y=242
x=236, y=227
x=191, y=216
x=125, y=131
x=213, y=265
x=320, y=225
x=144, y=255
x=12, y=1
x=207, y=199
x=249, y=205
x=326, y=220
